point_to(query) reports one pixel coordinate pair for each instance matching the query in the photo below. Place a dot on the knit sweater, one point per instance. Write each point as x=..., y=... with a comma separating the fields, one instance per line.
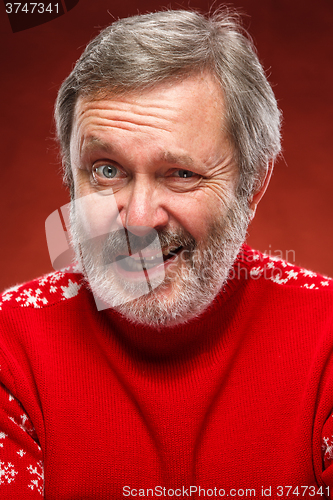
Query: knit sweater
x=234, y=403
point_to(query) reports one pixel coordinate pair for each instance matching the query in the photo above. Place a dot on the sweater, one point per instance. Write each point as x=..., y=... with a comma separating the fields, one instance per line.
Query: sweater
x=235, y=403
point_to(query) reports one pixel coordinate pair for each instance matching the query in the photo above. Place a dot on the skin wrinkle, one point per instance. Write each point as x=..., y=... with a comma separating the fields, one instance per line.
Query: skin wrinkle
x=224, y=163
x=125, y=124
x=119, y=114
x=217, y=43
x=224, y=170
x=94, y=144
x=149, y=192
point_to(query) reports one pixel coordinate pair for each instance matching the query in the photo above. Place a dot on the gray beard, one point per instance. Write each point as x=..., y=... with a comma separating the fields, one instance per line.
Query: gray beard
x=203, y=271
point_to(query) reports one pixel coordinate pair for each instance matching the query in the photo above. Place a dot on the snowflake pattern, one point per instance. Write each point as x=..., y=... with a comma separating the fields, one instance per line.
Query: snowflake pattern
x=260, y=265
x=66, y=284
x=38, y=477
x=18, y=465
x=26, y=425
x=2, y=436
x=7, y=472
x=327, y=450
x=71, y=290
x=49, y=289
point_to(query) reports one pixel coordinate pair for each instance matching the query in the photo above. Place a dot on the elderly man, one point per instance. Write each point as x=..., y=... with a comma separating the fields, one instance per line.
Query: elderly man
x=172, y=359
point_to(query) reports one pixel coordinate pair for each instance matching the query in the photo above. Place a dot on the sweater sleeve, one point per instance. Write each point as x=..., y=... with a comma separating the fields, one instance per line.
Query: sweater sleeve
x=327, y=452
x=21, y=462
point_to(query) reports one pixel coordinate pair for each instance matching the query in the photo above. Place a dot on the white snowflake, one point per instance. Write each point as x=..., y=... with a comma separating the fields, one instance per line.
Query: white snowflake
x=273, y=257
x=324, y=283
x=256, y=271
x=328, y=448
x=279, y=281
x=21, y=453
x=6, y=296
x=31, y=297
x=53, y=289
x=7, y=472
x=2, y=436
x=77, y=268
x=56, y=277
x=24, y=418
x=43, y=281
x=38, y=482
x=292, y=274
x=310, y=287
x=308, y=274
x=71, y=290
x=22, y=425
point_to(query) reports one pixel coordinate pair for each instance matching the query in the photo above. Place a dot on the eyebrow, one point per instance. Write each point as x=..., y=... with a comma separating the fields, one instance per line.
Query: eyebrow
x=94, y=142
x=177, y=159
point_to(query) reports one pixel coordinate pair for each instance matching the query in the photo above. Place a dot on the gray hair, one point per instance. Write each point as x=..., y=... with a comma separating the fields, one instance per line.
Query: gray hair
x=142, y=51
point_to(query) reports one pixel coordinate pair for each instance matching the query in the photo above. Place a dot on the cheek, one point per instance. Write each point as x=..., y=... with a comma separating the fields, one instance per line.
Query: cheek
x=97, y=212
x=196, y=218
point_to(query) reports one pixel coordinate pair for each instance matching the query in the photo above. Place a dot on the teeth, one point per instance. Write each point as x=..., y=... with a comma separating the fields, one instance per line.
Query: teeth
x=136, y=257
x=131, y=265
x=152, y=257
x=135, y=264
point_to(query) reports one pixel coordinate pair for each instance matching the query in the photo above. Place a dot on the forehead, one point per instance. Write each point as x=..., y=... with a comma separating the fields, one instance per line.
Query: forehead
x=186, y=112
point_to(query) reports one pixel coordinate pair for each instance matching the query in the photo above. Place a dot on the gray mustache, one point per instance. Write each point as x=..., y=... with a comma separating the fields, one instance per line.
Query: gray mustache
x=122, y=243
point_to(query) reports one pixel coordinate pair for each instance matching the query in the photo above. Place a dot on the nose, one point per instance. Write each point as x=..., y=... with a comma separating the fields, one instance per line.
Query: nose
x=141, y=209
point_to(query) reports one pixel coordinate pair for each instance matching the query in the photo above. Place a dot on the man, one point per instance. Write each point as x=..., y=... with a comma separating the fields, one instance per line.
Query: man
x=180, y=362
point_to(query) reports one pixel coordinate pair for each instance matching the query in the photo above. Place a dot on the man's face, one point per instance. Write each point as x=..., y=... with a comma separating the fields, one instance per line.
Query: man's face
x=163, y=156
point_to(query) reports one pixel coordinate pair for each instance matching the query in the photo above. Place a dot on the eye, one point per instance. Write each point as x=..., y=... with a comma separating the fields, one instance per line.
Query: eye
x=184, y=174
x=107, y=171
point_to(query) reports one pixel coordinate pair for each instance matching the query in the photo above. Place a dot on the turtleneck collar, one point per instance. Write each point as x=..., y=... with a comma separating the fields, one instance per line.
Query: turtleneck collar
x=184, y=339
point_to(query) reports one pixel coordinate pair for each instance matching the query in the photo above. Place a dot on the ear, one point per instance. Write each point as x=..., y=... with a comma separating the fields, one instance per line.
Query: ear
x=254, y=200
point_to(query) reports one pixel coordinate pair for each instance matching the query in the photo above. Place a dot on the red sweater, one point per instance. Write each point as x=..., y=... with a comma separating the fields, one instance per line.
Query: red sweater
x=233, y=403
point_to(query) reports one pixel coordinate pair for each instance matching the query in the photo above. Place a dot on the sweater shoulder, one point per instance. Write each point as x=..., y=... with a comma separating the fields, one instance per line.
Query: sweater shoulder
x=277, y=270
x=43, y=291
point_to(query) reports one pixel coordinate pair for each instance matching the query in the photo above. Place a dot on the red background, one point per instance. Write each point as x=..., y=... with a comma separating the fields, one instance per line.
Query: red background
x=295, y=44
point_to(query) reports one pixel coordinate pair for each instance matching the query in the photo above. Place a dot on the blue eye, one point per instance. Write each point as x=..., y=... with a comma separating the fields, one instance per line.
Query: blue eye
x=184, y=174
x=106, y=171
x=109, y=171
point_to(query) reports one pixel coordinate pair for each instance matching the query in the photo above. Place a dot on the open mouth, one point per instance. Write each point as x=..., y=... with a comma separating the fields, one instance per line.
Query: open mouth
x=140, y=260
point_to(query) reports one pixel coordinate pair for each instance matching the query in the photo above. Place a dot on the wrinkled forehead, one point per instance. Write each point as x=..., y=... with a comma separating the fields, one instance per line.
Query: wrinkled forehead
x=203, y=90
x=191, y=109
